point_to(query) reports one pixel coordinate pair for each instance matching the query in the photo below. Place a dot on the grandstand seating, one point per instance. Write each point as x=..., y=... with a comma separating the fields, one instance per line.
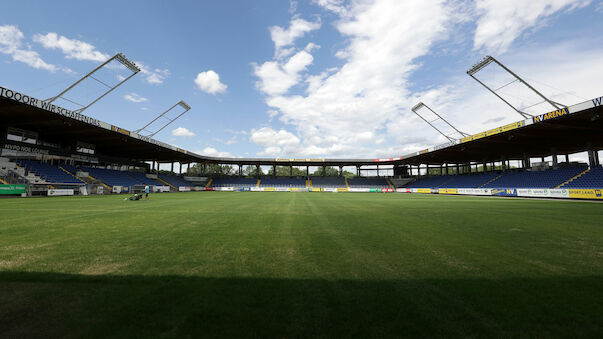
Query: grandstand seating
x=120, y=178
x=368, y=183
x=234, y=182
x=454, y=181
x=283, y=182
x=50, y=173
x=550, y=178
x=591, y=179
x=323, y=182
x=173, y=180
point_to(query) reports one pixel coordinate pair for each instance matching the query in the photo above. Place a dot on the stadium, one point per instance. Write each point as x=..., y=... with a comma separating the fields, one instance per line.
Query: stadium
x=493, y=234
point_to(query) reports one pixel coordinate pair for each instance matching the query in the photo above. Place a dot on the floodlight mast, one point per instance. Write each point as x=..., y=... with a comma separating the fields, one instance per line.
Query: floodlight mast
x=181, y=103
x=488, y=60
x=119, y=57
x=418, y=106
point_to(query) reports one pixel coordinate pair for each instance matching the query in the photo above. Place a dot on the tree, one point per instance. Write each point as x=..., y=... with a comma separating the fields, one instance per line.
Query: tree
x=285, y=171
x=213, y=170
x=252, y=171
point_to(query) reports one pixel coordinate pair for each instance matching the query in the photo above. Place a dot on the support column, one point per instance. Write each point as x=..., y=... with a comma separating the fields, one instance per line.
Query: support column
x=324, y=171
x=341, y=171
x=188, y=167
x=526, y=161
x=308, y=172
x=172, y=167
x=240, y=170
x=257, y=170
x=290, y=171
x=180, y=168
x=485, y=167
x=377, y=170
x=357, y=171
x=567, y=158
x=274, y=170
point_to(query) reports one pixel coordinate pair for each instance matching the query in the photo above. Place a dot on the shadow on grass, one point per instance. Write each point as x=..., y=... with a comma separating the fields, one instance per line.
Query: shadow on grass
x=65, y=305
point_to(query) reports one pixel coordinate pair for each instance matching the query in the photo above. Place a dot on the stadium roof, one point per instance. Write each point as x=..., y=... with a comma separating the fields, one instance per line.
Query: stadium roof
x=569, y=130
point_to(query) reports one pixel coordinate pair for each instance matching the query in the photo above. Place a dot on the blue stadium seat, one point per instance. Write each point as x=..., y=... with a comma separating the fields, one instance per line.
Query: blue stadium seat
x=50, y=173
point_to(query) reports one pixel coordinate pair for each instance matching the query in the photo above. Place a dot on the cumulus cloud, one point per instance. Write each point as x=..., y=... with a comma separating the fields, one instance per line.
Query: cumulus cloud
x=133, y=97
x=345, y=107
x=285, y=37
x=266, y=136
x=209, y=82
x=212, y=152
x=182, y=132
x=72, y=48
x=276, y=78
x=153, y=76
x=11, y=44
x=501, y=22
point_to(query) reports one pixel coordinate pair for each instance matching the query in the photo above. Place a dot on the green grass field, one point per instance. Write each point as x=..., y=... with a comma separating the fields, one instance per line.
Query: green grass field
x=216, y=264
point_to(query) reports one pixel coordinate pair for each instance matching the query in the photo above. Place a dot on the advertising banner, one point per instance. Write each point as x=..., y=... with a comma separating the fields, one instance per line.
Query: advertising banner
x=551, y=115
x=255, y=189
x=268, y=189
x=208, y=189
x=116, y=189
x=161, y=189
x=12, y=189
x=423, y=190
x=187, y=189
x=586, y=193
x=474, y=191
x=375, y=190
x=225, y=189
x=342, y=189
x=387, y=190
x=358, y=189
x=329, y=189
x=509, y=192
x=282, y=189
x=57, y=192
x=448, y=191
x=315, y=189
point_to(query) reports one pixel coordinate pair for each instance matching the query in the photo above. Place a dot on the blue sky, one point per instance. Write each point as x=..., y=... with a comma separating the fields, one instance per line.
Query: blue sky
x=315, y=78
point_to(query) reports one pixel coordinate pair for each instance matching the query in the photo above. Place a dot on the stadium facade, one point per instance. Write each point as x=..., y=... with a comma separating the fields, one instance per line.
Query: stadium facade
x=50, y=150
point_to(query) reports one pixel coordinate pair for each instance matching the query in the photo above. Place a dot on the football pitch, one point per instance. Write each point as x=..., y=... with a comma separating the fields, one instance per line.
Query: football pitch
x=223, y=264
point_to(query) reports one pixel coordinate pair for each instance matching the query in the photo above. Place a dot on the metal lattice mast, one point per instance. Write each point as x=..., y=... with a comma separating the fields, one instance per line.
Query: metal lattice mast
x=120, y=58
x=420, y=105
x=488, y=60
x=180, y=103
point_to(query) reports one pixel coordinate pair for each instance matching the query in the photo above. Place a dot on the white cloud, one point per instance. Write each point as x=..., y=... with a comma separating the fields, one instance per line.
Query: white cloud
x=153, y=76
x=276, y=78
x=209, y=82
x=501, y=22
x=212, y=152
x=11, y=42
x=335, y=6
x=133, y=97
x=286, y=37
x=72, y=48
x=182, y=132
x=274, y=141
x=345, y=108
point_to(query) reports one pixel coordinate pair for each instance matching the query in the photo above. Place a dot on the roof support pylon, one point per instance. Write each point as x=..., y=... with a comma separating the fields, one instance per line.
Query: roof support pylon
x=420, y=105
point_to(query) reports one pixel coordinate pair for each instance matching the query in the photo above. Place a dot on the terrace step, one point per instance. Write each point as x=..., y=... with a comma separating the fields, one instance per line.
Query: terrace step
x=166, y=183
x=491, y=180
x=574, y=178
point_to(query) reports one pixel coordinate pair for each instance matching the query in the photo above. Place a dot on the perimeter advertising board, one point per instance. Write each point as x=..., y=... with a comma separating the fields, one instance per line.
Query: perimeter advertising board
x=586, y=193
x=12, y=189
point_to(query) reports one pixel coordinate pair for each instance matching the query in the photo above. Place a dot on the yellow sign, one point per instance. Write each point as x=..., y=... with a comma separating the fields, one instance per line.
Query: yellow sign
x=269, y=189
x=448, y=191
x=551, y=115
x=478, y=135
x=512, y=126
x=494, y=131
x=120, y=130
x=586, y=193
x=423, y=190
x=293, y=189
x=299, y=160
x=466, y=139
x=342, y=189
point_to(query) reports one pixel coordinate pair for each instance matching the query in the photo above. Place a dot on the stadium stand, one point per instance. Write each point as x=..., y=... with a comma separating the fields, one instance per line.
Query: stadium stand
x=173, y=180
x=591, y=179
x=368, y=183
x=111, y=177
x=454, y=181
x=234, y=182
x=49, y=173
x=324, y=182
x=550, y=178
x=283, y=182
x=142, y=179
